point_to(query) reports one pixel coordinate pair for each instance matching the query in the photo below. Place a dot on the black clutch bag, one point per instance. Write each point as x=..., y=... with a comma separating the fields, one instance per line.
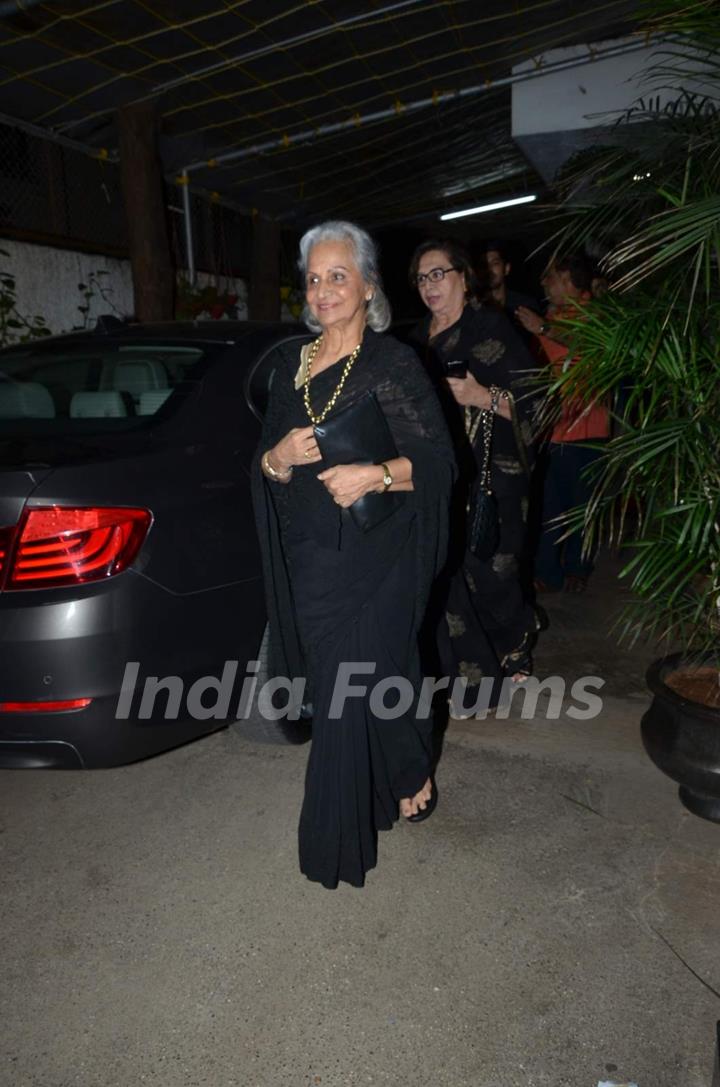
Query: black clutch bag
x=359, y=434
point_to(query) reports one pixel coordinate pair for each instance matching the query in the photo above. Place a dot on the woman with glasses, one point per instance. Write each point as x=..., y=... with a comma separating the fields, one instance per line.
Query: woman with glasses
x=344, y=605
x=479, y=362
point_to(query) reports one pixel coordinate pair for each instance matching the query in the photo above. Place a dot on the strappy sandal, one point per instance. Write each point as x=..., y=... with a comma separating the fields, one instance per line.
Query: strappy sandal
x=518, y=665
x=520, y=675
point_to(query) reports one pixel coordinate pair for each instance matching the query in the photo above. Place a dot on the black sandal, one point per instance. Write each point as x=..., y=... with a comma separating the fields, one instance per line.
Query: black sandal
x=426, y=812
x=519, y=663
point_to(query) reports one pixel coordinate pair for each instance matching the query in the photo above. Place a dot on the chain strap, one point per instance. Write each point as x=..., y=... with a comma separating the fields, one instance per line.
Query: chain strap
x=315, y=347
x=484, y=418
x=487, y=429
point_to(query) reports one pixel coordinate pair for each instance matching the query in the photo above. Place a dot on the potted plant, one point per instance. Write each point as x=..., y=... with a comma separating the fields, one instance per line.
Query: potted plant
x=651, y=347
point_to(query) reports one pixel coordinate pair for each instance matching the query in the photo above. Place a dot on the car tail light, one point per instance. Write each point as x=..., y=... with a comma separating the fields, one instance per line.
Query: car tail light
x=61, y=545
x=45, y=707
x=6, y=539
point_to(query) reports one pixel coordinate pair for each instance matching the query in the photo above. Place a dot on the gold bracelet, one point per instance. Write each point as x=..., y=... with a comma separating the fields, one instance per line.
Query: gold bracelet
x=273, y=472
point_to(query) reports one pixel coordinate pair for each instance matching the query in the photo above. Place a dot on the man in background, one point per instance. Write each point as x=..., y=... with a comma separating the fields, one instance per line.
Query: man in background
x=505, y=297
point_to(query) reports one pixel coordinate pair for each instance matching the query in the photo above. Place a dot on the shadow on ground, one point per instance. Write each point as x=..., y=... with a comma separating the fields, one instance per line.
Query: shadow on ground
x=553, y=925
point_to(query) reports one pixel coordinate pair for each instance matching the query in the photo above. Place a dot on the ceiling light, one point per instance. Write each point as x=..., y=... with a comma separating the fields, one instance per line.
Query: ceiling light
x=489, y=207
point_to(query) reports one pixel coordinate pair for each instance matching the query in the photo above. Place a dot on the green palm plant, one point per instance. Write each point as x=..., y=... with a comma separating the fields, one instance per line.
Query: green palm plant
x=651, y=346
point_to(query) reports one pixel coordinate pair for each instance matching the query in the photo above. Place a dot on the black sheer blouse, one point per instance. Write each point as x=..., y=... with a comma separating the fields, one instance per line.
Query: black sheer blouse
x=406, y=395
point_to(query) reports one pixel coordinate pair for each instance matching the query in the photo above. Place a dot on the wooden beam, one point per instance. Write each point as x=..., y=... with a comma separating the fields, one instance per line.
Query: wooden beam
x=144, y=198
x=265, y=271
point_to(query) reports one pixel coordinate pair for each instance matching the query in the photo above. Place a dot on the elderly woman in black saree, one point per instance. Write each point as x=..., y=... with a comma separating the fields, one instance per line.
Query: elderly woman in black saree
x=486, y=627
x=337, y=595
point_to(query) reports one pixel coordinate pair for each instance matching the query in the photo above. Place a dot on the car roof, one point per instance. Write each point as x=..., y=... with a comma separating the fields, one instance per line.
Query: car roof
x=264, y=333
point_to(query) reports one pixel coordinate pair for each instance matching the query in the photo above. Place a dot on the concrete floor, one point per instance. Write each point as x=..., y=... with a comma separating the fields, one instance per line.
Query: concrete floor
x=554, y=923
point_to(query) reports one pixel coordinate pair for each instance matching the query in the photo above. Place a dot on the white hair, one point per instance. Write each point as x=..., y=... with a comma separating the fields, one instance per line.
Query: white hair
x=366, y=257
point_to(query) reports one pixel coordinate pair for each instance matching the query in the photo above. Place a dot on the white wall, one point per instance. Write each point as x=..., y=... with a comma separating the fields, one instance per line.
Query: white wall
x=591, y=94
x=47, y=281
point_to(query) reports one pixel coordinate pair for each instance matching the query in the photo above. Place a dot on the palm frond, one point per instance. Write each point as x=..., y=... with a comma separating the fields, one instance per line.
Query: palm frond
x=648, y=195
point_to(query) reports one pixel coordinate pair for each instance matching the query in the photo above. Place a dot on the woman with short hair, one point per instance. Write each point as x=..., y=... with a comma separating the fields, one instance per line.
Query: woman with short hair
x=480, y=365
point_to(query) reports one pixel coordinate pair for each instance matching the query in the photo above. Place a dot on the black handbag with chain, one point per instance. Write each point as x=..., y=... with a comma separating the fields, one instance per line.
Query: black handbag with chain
x=359, y=434
x=483, y=518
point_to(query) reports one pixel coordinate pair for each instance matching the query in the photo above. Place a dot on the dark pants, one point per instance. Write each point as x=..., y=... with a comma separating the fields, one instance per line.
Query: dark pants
x=568, y=482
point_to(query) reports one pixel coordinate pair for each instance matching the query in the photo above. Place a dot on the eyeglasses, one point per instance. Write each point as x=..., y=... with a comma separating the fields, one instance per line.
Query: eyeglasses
x=434, y=275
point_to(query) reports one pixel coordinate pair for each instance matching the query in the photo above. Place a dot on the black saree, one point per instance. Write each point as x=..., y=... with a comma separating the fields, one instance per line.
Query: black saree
x=488, y=626
x=338, y=598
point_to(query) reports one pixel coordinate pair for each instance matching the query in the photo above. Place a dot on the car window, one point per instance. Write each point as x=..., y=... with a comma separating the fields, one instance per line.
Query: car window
x=103, y=386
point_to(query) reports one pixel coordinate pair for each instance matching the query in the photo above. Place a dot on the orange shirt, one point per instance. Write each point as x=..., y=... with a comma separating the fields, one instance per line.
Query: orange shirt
x=577, y=423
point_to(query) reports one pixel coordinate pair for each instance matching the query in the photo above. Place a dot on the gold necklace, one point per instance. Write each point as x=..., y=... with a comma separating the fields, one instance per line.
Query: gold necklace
x=314, y=348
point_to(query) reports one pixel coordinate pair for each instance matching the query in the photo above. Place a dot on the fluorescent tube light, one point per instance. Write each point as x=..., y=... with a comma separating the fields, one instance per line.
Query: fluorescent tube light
x=489, y=207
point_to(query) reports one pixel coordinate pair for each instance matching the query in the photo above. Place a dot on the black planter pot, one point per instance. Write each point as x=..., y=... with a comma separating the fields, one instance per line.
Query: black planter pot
x=683, y=739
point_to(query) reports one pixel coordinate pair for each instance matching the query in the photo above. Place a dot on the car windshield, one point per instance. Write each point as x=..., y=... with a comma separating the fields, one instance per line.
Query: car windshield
x=101, y=387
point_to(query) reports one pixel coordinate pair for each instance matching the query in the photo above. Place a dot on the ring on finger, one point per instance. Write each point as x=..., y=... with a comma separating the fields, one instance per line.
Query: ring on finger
x=308, y=454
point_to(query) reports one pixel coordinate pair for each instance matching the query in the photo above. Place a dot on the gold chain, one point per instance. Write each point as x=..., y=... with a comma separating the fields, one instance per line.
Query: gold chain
x=315, y=347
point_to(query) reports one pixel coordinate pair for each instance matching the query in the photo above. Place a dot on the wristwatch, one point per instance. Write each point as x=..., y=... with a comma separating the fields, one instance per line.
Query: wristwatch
x=387, y=478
